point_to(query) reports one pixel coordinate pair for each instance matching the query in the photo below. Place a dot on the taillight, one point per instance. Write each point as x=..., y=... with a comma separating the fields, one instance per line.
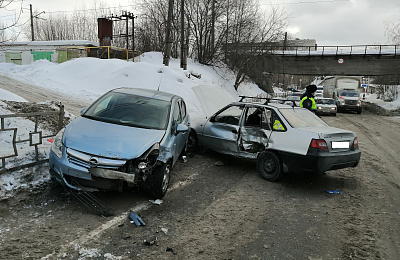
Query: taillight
x=355, y=143
x=320, y=144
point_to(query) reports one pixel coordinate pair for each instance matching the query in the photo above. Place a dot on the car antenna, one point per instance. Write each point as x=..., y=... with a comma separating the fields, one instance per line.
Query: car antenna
x=159, y=84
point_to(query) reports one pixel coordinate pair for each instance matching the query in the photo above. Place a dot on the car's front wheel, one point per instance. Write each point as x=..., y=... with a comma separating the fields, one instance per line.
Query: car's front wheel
x=157, y=183
x=192, y=144
x=269, y=166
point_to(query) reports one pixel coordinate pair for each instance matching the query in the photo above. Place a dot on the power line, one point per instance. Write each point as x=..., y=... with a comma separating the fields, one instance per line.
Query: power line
x=95, y=9
x=307, y=2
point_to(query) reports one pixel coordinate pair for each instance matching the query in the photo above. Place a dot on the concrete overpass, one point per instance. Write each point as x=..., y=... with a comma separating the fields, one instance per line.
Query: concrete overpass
x=360, y=60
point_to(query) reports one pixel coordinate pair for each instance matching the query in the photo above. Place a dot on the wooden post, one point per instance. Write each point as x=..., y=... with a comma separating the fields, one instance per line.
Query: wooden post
x=61, y=117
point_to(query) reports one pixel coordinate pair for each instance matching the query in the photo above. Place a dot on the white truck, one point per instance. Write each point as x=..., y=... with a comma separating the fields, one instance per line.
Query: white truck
x=345, y=90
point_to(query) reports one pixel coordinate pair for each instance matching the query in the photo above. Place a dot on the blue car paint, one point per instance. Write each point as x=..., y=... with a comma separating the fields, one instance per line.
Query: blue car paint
x=110, y=140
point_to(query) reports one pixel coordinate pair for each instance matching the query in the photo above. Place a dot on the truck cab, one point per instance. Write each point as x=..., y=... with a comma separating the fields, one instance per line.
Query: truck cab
x=345, y=91
x=348, y=100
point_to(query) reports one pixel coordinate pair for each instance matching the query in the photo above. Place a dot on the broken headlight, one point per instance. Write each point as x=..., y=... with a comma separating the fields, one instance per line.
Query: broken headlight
x=149, y=158
x=57, y=145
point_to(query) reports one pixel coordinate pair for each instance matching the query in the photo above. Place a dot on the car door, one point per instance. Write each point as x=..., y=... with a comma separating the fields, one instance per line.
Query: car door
x=179, y=138
x=255, y=131
x=221, y=132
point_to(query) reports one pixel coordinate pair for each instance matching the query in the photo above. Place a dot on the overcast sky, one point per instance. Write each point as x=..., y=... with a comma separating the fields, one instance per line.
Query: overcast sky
x=339, y=22
x=329, y=22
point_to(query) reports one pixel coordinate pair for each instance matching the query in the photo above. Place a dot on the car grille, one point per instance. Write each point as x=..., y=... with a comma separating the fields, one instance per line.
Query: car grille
x=88, y=160
x=351, y=102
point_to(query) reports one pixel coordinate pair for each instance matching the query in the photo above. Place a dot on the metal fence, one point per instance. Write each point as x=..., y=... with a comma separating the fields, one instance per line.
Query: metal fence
x=35, y=136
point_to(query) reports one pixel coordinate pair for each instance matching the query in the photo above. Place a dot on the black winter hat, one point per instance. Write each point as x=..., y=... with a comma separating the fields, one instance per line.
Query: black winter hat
x=311, y=88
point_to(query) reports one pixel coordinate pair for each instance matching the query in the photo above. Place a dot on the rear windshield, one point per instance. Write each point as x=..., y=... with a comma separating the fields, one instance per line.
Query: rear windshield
x=131, y=110
x=298, y=118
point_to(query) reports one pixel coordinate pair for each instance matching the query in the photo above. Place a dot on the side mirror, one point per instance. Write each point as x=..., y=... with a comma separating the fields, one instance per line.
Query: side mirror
x=83, y=110
x=181, y=129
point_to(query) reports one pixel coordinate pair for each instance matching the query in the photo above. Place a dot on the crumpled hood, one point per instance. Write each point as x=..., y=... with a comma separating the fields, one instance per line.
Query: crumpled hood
x=109, y=140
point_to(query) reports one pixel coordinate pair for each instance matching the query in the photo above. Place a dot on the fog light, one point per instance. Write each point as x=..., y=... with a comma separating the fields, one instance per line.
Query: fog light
x=142, y=165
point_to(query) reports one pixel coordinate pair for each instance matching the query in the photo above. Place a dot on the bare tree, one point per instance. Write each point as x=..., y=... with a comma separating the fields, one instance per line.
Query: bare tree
x=4, y=27
x=393, y=31
x=247, y=42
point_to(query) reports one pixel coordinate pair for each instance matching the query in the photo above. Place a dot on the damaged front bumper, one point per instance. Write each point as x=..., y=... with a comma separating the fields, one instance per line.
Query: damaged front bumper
x=76, y=168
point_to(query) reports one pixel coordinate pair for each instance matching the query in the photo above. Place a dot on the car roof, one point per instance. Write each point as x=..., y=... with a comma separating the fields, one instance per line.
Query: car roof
x=270, y=104
x=149, y=93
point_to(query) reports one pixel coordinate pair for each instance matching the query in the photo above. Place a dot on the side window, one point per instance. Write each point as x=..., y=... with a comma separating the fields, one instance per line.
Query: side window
x=266, y=116
x=183, y=109
x=176, y=115
x=258, y=117
x=253, y=117
x=230, y=115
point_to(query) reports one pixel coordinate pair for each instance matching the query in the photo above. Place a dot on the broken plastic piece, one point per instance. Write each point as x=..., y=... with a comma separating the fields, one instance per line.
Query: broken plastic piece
x=136, y=219
x=169, y=249
x=151, y=240
x=333, y=192
x=165, y=230
x=157, y=201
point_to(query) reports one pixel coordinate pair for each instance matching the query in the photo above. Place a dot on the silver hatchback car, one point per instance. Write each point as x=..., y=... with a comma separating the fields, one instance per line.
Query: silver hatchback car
x=280, y=137
x=125, y=138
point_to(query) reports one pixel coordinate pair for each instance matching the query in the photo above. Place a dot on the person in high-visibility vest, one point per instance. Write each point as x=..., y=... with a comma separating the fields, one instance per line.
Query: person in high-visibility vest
x=307, y=99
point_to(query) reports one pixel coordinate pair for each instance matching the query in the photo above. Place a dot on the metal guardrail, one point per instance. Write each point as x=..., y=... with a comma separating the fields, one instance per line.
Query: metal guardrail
x=35, y=136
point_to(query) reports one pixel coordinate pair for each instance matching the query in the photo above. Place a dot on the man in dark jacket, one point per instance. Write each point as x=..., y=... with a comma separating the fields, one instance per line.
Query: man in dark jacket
x=307, y=99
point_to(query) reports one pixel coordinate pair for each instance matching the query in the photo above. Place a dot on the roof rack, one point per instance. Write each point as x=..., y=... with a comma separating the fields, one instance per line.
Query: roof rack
x=268, y=100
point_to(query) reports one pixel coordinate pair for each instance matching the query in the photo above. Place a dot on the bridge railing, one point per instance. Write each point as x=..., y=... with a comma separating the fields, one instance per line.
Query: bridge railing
x=393, y=50
x=383, y=50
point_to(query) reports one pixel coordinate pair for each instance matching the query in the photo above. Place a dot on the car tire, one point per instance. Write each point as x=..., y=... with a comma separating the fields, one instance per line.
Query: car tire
x=192, y=144
x=157, y=183
x=269, y=166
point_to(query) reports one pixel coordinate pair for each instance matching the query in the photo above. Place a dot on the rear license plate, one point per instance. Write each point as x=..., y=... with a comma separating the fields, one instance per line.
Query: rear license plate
x=340, y=145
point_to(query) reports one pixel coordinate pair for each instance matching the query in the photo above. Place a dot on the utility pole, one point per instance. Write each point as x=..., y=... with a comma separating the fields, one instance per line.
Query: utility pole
x=133, y=35
x=37, y=17
x=183, y=45
x=227, y=31
x=33, y=36
x=168, y=42
x=212, y=27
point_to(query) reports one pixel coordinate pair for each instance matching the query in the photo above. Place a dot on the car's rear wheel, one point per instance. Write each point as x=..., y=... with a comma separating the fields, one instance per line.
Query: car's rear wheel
x=269, y=166
x=157, y=183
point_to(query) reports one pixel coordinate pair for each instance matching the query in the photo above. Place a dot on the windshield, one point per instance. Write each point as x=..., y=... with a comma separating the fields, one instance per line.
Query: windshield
x=298, y=118
x=131, y=110
x=347, y=93
x=326, y=101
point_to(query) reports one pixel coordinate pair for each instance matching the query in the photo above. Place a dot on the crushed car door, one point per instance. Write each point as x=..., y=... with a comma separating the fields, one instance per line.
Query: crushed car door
x=255, y=131
x=221, y=132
